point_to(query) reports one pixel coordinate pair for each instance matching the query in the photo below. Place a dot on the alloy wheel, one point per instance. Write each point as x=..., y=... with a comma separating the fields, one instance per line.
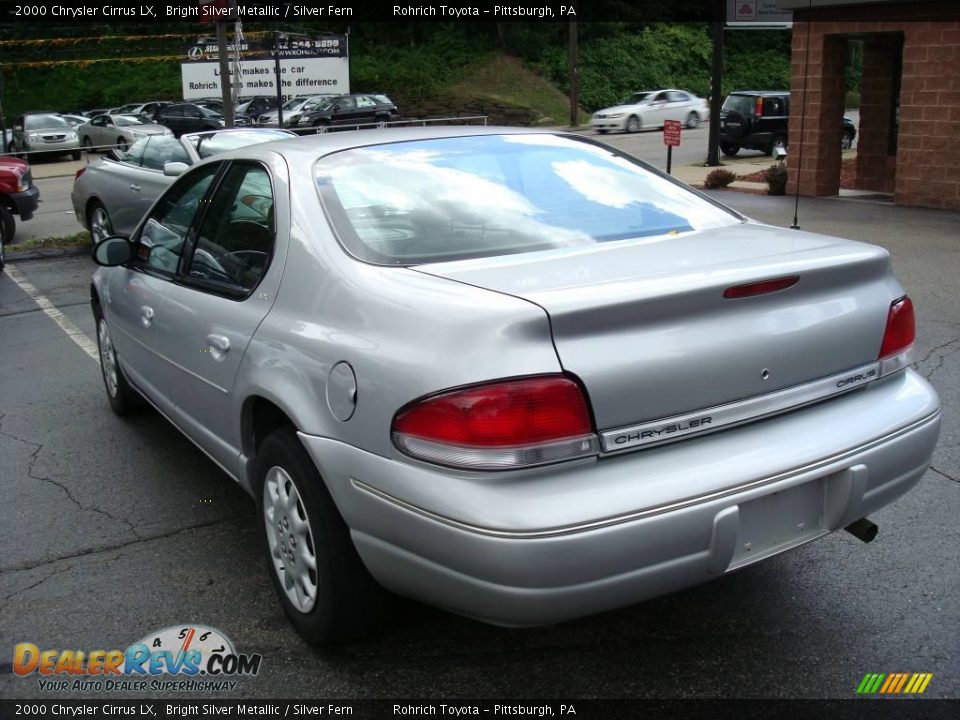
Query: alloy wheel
x=108, y=359
x=290, y=539
x=100, y=226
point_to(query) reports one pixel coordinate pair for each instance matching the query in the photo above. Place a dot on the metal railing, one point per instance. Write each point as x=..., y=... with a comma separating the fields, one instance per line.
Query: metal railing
x=412, y=122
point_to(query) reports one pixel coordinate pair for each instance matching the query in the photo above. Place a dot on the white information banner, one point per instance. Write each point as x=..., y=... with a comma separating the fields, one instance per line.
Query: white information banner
x=298, y=76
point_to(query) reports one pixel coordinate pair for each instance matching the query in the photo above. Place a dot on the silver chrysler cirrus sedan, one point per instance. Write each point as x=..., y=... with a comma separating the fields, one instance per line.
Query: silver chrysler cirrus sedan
x=516, y=374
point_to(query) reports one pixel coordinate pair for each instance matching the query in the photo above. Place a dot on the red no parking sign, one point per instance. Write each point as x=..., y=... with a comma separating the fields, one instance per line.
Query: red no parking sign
x=671, y=133
x=671, y=138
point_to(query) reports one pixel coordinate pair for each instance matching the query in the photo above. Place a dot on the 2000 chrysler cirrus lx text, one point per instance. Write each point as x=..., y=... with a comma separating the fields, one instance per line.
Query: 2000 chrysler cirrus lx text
x=515, y=374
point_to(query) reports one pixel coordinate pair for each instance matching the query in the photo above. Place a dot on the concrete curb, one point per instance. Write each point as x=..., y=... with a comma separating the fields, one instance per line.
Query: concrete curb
x=45, y=254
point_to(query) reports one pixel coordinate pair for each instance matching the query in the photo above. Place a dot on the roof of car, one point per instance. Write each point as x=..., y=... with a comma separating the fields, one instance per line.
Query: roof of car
x=761, y=93
x=325, y=143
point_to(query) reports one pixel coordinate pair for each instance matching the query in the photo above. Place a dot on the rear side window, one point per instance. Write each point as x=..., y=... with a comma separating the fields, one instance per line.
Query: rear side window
x=774, y=107
x=454, y=198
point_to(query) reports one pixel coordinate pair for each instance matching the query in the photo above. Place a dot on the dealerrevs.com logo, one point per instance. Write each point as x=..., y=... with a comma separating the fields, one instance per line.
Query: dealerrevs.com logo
x=199, y=658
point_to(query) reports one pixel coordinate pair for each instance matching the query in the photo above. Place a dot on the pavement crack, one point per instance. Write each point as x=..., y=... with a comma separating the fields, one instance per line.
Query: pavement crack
x=940, y=360
x=941, y=473
x=39, y=582
x=34, y=457
x=118, y=546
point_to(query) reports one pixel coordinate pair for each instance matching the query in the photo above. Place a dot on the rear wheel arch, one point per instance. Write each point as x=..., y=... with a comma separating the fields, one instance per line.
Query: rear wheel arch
x=259, y=418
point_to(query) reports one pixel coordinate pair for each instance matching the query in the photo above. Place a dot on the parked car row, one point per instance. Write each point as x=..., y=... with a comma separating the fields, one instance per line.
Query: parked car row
x=333, y=110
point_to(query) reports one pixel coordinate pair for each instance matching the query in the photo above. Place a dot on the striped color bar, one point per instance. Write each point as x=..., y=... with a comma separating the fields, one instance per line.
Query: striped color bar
x=894, y=683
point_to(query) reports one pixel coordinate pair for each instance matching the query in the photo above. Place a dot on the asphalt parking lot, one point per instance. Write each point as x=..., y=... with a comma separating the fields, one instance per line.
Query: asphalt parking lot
x=116, y=527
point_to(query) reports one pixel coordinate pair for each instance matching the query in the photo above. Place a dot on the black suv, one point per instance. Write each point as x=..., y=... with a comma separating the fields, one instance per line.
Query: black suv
x=187, y=118
x=758, y=120
x=354, y=109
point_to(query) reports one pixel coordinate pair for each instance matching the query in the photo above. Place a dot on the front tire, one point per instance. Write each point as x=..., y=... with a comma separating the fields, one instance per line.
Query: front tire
x=323, y=586
x=123, y=398
x=633, y=124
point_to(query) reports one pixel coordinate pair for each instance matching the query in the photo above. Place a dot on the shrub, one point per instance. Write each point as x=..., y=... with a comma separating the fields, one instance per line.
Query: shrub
x=776, y=177
x=718, y=178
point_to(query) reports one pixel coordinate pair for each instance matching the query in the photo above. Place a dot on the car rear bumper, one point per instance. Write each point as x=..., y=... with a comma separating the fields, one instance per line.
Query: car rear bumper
x=562, y=542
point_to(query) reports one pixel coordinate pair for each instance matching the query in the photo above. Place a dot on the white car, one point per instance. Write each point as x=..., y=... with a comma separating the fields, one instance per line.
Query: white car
x=648, y=109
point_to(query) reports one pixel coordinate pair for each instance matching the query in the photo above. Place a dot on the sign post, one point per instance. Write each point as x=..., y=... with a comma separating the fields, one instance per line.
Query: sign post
x=671, y=138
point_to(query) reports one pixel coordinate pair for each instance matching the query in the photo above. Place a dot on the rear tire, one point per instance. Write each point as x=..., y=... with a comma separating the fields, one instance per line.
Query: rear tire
x=122, y=144
x=123, y=399
x=846, y=141
x=8, y=227
x=98, y=222
x=729, y=150
x=323, y=586
x=693, y=121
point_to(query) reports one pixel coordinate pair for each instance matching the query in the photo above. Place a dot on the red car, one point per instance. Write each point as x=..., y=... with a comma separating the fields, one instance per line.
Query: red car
x=18, y=196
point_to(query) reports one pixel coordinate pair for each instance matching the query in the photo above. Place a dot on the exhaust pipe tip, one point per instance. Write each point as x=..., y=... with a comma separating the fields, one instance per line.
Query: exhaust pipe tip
x=863, y=529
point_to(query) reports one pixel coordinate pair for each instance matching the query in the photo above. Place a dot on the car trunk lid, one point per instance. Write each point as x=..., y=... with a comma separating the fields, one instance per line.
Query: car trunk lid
x=646, y=327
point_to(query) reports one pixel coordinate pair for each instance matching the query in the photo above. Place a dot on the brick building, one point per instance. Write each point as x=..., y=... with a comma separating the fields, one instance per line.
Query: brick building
x=909, y=135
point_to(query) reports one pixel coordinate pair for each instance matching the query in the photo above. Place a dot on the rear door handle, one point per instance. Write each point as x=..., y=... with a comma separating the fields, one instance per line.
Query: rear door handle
x=135, y=188
x=146, y=315
x=219, y=346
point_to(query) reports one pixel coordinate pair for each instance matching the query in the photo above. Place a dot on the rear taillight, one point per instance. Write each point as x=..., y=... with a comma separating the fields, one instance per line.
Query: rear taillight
x=898, y=337
x=499, y=425
x=758, y=107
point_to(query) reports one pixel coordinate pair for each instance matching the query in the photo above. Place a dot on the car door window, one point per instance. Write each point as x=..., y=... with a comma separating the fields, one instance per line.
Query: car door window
x=99, y=121
x=674, y=96
x=162, y=149
x=364, y=102
x=235, y=242
x=161, y=240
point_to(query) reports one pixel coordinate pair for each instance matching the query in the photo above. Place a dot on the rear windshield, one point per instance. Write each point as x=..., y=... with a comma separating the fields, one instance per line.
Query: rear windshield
x=742, y=104
x=453, y=198
x=207, y=145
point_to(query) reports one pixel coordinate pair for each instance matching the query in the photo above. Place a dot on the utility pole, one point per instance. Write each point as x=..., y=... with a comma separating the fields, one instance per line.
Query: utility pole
x=574, y=78
x=716, y=87
x=276, y=69
x=225, y=93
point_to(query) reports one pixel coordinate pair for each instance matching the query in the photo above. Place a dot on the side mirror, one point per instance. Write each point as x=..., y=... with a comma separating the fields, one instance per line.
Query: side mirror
x=113, y=251
x=172, y=169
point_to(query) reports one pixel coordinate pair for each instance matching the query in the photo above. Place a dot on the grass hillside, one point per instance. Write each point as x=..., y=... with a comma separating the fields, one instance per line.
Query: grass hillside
x=504, y=79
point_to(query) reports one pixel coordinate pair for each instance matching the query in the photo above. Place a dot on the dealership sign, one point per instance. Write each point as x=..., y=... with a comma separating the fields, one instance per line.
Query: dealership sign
x=308, y=66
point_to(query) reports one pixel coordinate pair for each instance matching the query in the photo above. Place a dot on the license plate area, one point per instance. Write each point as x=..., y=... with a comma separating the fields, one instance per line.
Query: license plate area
x=776, y=522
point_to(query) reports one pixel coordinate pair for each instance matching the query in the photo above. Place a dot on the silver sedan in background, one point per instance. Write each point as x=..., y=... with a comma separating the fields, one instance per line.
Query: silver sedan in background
x=649, y=109
x=121, y=131
x=112, y=194
x=516, y=374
